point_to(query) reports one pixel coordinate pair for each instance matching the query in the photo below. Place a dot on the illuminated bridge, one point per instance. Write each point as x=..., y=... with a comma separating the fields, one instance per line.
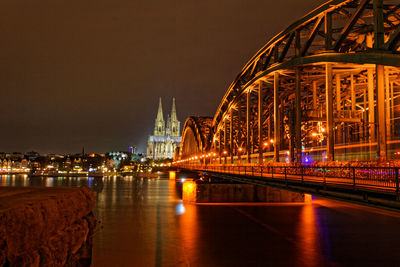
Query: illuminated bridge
x=325, y=89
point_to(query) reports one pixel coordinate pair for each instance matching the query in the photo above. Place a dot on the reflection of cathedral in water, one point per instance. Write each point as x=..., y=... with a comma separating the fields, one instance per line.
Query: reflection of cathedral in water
x=166, y=138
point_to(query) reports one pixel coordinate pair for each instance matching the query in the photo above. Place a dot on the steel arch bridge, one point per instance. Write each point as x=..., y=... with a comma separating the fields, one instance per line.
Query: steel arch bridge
x=195, y=135
x=325, y=88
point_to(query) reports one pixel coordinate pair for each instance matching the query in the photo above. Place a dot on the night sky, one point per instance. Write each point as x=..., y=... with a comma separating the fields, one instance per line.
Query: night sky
x=89, y=73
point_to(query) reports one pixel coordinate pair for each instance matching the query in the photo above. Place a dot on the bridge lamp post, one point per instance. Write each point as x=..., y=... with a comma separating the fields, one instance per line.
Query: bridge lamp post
x=239, y=154
x=265, y=144
x=214, y=155
x=272, y=141
x=210, y=158
x=225, y=153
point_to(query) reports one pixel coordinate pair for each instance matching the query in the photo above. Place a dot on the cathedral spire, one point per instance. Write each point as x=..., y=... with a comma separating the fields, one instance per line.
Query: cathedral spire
x=160, y=116
x=173, y=111
x=173, y=123
x=159, y=127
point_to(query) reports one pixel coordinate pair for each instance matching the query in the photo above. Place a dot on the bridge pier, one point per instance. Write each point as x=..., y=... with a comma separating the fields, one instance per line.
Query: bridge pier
x=193, y=192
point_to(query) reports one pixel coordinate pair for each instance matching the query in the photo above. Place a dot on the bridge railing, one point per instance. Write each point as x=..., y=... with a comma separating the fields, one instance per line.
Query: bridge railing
x=374, y=178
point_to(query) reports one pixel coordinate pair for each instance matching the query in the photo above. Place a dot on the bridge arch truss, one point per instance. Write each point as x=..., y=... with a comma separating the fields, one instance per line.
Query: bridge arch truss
x=195, y=136
x=325, y=88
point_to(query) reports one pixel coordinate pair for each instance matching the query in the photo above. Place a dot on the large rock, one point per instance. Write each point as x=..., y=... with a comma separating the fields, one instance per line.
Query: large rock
x=46, y=226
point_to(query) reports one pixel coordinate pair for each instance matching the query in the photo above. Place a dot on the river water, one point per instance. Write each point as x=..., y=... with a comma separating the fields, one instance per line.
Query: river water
x=143, y=222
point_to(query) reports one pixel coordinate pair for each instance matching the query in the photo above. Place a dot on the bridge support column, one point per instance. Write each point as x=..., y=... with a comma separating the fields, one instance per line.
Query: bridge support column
x=353, y=93
x=239, y=135
x=298, y=116
x=371, y=107
x=219, y=147
x=260, y=128
x=315, y=105
x=380, y=102
x=248, y=145
x=277, y=121
x=315, y=95
x=270, y=126
x=387, y=105
x=365, y=125
x=231, y=136
x=339, y=133
x=330, y=153
x=392, y=109
x=356, y=128
x=225, y=152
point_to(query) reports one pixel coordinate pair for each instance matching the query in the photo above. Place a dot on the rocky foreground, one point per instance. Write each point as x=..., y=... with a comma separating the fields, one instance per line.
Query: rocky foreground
x=46, y=226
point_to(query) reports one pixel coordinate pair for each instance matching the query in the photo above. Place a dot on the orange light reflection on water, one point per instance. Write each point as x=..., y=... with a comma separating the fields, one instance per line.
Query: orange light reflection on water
x=188, y=226
x=309, y=247
x=172, y=191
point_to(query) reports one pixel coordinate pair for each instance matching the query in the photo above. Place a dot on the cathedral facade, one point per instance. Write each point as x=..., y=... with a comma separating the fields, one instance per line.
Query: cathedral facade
x=161, y=145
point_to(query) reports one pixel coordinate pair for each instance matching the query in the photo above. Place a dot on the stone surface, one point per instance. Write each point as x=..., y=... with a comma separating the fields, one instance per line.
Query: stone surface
x=46, y=226
x=208, y=193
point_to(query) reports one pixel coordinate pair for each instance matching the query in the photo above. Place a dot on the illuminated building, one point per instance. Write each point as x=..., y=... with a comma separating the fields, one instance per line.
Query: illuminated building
x=166, y=138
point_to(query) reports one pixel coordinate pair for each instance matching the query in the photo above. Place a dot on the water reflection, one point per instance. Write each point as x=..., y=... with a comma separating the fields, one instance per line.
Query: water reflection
x=309, y=247
x=49, y=181
x=95, y=183
x=180, y=209
x=191, y=243
x=143, y=222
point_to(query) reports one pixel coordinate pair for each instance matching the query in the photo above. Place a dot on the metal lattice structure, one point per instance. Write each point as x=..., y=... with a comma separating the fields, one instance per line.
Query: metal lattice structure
x=325, y=88
x=195, y=136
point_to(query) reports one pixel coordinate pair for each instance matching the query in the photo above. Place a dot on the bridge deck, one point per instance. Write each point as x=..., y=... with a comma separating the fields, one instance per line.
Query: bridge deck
x=355, y=182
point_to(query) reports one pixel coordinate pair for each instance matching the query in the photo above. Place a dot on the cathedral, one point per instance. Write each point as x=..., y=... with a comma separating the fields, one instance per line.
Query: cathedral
x=166, y=138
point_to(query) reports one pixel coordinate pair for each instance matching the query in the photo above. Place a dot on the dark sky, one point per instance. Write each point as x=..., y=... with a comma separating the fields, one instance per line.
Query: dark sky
x=89, y=73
